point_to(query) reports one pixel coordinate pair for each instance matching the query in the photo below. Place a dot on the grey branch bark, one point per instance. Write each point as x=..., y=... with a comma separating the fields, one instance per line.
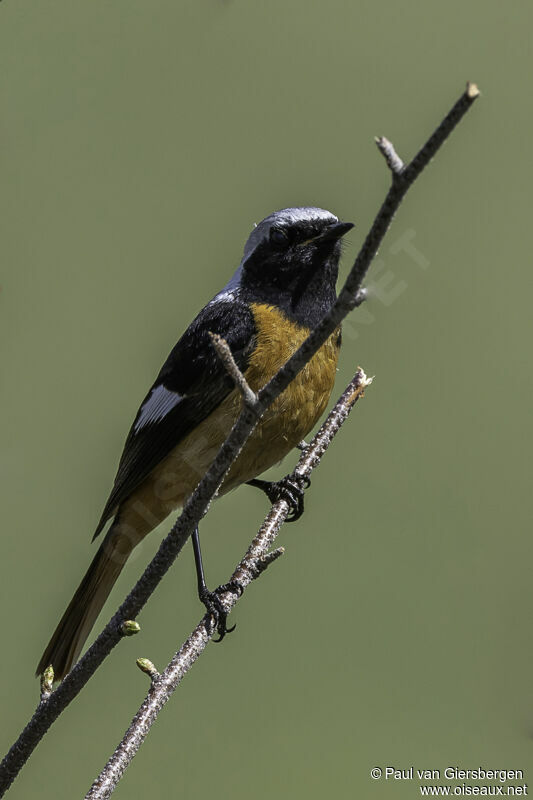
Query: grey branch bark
x=394, y=162
x=350, y=296
x=226, y=356
x=257, y=558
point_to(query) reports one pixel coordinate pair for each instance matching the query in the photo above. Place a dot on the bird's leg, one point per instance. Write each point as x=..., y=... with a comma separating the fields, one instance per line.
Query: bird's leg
x=290, y=490
x=211, y=600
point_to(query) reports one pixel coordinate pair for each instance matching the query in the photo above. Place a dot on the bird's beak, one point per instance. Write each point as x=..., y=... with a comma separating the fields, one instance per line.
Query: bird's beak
x=331, y=234
x=334, y=232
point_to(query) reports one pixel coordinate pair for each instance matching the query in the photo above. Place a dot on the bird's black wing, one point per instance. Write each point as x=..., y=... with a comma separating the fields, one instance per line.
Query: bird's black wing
x=191, y=384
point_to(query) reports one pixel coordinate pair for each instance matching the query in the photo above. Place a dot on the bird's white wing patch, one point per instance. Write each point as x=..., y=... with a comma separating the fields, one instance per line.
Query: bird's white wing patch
x=157, y=406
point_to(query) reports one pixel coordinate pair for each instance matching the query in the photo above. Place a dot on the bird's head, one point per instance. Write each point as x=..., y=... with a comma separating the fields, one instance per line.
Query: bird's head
x=291, y=260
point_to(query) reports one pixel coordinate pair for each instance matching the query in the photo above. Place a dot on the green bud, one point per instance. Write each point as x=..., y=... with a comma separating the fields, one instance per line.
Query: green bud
x=47, y=682
x=145, y=665
x=129, y=627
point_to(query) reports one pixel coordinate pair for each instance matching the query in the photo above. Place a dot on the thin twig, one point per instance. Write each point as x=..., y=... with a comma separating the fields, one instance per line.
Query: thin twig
x=394, y=162
x=253, y=564
x=226, y=356
x=349, y=297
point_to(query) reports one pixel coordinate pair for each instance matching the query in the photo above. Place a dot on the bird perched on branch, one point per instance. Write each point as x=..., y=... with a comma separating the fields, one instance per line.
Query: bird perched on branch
x=282, y=288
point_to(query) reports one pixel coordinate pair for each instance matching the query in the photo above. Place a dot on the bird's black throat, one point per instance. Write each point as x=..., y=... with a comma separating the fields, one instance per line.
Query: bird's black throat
x=304, y=290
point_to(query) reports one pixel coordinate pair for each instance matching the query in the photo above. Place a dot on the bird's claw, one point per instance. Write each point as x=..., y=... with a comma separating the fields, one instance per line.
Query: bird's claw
x=217, y=613
x=292, y=491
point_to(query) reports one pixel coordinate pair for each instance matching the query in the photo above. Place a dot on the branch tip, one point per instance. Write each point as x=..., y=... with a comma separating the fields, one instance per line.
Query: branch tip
x=362, y=382
x=472, y=90
x=363, y=379
x=386, y=148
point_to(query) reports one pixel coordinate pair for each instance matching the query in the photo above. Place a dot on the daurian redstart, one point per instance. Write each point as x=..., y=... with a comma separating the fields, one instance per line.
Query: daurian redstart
x=282, y=288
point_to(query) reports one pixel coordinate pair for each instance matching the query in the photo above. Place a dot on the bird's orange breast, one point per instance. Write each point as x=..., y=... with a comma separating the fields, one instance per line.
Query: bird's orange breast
x=297, y=410
x=285, y=423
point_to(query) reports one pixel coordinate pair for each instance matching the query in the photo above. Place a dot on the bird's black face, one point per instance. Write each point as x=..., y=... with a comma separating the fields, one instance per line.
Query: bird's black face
x=292, y=259
x=290, y=249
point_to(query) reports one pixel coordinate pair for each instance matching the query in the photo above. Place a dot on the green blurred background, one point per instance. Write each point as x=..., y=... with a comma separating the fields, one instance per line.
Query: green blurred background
x=140, y=142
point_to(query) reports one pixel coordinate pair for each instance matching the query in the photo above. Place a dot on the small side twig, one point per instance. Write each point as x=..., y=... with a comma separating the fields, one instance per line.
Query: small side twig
x=261, y=564
x=394, y=162
x=226, y=356
x=257, y=558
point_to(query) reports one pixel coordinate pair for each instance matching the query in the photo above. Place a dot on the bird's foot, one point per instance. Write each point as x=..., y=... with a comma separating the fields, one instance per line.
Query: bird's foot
x=289, y=489
x=218, y=614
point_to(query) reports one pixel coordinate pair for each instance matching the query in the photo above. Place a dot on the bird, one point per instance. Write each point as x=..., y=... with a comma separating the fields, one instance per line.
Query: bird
x=282, y=288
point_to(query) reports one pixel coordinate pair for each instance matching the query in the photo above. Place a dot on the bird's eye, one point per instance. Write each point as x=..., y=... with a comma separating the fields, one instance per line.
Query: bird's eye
x=278, y=237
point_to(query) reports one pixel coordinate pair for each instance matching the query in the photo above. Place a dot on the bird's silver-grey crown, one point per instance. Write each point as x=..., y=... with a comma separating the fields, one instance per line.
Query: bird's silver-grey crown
x=283, y=218
x=261, y=231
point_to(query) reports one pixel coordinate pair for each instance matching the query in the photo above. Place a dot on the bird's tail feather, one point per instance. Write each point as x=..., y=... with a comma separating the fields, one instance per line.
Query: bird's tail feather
x=76, y=623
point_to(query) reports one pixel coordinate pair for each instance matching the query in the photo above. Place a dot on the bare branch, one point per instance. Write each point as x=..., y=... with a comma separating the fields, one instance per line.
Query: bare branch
x=349, y=297
x=253, y=564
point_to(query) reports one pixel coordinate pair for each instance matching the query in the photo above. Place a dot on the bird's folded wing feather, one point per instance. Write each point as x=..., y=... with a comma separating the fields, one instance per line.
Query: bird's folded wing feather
x=190, y=385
